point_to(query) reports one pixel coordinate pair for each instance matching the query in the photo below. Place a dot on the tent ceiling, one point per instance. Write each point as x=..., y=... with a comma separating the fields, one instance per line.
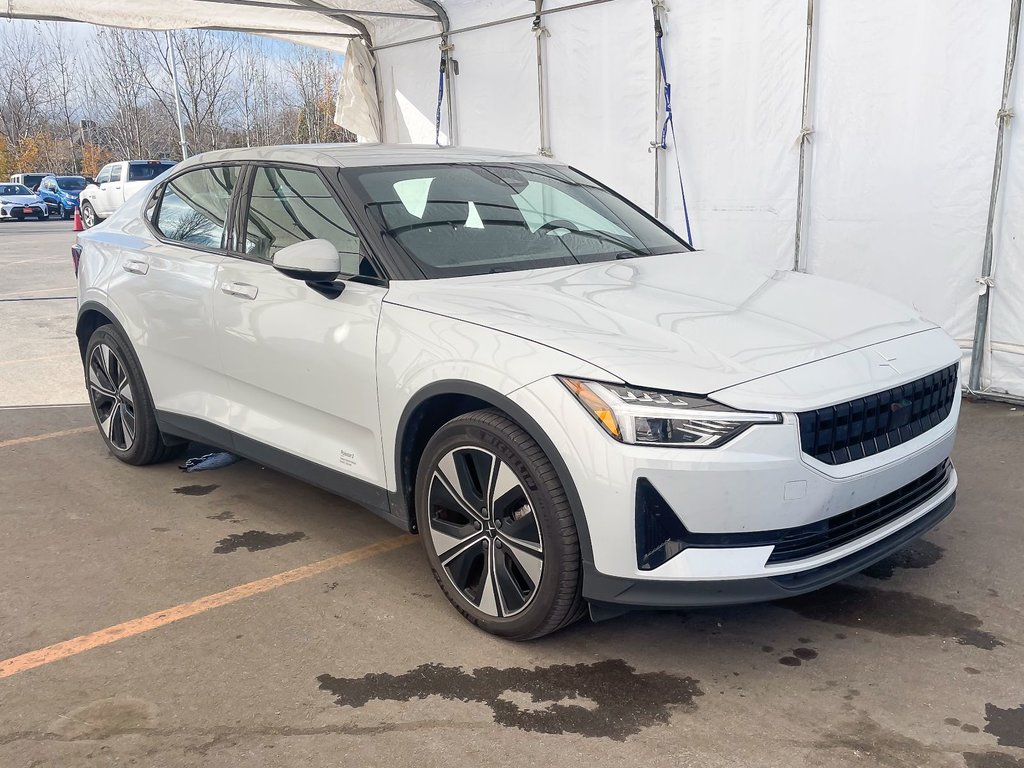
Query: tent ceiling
x=324, y=24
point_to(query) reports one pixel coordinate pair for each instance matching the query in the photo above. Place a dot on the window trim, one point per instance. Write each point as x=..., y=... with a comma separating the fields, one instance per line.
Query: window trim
x=156, y=199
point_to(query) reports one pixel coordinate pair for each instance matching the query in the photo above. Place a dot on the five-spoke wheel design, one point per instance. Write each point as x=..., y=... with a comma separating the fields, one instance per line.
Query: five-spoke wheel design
x=111, y=395
x=485, y=531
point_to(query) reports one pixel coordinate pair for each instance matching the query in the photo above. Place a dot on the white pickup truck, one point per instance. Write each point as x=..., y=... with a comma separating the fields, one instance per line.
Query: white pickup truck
x=115, y=183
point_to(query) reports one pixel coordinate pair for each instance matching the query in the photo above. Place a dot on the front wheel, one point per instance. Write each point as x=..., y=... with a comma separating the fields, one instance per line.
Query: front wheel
x=89, y=217
x=120, y=400
x=498, y=529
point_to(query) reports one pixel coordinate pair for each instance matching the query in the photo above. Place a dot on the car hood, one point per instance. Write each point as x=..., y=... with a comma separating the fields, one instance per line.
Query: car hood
x=20, y=199
x=690, y=322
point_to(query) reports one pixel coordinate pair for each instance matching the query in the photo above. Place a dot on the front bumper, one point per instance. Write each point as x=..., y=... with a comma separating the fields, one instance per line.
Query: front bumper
x=760, y=482
x=14, y=211
x=609, y=594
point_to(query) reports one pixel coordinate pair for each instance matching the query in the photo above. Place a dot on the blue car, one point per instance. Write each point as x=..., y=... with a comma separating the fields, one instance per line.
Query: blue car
x=61, y=193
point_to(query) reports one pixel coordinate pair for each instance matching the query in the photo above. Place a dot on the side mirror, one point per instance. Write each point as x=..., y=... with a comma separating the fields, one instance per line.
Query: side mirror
x=315, y=261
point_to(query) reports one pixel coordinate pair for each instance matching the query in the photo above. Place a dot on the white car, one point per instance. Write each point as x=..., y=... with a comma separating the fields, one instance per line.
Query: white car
x=115, y=183
x=19, y=202
x=569, y=405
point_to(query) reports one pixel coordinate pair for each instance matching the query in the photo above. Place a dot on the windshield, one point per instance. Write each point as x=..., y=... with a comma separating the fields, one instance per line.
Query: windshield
x=14, y=189
x=147, y=171
x=465, y=219
x=71, y=183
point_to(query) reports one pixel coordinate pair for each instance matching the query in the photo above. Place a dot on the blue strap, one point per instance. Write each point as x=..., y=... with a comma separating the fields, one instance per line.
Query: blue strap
x=440, y=99
x=670, y=124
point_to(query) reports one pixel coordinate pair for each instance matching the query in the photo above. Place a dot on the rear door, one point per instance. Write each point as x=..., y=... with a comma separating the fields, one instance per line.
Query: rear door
x=164, y=291
x=302, y=364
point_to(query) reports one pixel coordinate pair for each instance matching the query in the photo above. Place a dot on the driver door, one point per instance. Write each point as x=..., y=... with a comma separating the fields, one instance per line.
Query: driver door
x=301, y=365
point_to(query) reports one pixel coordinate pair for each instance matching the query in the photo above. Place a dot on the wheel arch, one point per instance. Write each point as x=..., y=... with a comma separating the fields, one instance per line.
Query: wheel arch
x=92, y=315
x=440, y=402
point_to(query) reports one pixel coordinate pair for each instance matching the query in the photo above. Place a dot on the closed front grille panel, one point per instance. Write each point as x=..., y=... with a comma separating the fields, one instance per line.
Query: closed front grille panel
x=869, y=425
x=809, y=540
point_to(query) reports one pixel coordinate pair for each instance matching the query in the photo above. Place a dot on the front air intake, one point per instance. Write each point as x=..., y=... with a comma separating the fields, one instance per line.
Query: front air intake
x=660, y=534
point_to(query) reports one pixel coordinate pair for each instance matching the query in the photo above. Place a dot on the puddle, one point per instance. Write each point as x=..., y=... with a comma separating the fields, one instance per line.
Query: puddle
x=1007, y=725
x=606, y=698
x=897, y=614
x=254, y=541
x=920, y=554
x=196, y=490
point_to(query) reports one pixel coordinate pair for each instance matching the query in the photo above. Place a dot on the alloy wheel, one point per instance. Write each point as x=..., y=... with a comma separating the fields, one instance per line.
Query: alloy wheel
x=112, y=399
x=88, y=216
x=485, y=532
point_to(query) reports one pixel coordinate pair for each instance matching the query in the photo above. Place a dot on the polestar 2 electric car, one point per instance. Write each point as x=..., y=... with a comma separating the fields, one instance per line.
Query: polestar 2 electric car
x=570, y=406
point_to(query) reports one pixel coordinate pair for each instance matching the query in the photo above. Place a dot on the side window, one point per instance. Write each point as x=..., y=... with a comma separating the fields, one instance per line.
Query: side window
x=115, y=172
x=104, y=175
x=193, y=207
x=289, y=206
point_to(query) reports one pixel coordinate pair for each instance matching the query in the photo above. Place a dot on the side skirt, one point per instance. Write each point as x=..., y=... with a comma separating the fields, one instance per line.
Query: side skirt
x=373, y=497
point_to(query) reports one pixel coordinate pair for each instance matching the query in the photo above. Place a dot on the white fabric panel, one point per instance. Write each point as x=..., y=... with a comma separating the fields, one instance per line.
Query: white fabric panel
x=736, y=67
x=497, y=88
x=904, y=118
x=1005, y=371
x=409, y=75
x=600, y=93
x=356, y=109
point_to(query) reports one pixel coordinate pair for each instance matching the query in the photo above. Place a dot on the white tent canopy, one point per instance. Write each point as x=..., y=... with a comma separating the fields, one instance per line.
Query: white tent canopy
x=860, y=146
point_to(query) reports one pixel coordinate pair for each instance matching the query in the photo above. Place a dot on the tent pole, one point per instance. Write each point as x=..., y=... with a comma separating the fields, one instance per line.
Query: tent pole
x=177, y=95
x=656, y=5
x=539, y=33
x=804, y=140
x=985, y=282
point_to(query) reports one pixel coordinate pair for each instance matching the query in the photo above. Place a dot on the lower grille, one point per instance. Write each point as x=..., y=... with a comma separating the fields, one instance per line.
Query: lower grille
x=661, y=535
x=813, y=539
x=875, y=423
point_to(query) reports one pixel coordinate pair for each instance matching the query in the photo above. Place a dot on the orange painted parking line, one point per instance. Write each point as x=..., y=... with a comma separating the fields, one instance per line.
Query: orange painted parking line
x=73, y=647
x=46, y=436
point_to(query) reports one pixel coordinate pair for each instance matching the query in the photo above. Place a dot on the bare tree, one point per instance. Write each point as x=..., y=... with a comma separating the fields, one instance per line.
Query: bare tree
x=107, y=94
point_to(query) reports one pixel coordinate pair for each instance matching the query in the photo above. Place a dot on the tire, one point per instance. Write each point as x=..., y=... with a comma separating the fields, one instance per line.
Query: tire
x=510, y=565
x=43, y=215
x=89, y=217
x=64, y=213
x=120, y=400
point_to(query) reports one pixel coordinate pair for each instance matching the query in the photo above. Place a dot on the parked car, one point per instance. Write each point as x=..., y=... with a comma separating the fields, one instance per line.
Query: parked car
x=30, y=180
x=567, y=402
x=114, y=184
x=19, y=202
x=60, y=193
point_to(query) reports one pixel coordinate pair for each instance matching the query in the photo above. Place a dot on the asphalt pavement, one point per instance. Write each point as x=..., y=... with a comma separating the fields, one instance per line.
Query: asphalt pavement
x=240, y=618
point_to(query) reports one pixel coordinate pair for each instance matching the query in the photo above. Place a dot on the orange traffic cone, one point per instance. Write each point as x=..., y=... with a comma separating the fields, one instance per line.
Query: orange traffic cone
x=78, y=221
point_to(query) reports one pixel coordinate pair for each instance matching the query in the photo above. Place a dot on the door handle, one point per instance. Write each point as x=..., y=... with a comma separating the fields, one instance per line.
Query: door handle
x=242, y=290
x=135, y=267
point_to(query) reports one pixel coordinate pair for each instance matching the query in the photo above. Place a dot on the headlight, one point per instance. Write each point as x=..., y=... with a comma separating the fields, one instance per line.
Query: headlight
x=649, y=417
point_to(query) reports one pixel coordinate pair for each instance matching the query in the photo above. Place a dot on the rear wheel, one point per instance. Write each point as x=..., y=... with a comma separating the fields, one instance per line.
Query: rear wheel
x=497, y=528
x=121, y=402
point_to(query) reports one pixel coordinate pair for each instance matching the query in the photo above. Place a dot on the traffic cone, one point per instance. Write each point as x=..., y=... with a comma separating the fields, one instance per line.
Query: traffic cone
x=78, y=221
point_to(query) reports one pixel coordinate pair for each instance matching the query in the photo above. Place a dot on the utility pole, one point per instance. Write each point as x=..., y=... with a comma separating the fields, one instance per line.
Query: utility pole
x=177, y=96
